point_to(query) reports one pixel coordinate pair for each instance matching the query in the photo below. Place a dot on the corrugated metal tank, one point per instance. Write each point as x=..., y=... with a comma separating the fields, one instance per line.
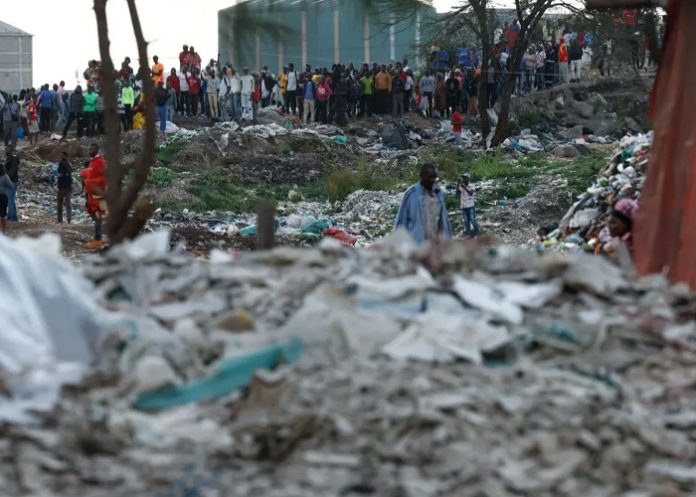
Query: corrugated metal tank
x=316, y=32
x=16, y=59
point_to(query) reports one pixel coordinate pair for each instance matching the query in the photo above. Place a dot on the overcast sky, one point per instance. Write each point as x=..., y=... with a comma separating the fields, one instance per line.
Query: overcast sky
x=65, y=33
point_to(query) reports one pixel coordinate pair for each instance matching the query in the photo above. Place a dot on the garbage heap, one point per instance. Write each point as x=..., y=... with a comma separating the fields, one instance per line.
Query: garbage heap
x=622, y=177
x=398, y=370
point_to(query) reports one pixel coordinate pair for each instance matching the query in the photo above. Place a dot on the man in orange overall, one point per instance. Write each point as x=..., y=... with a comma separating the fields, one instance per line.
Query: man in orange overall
x=94, y=184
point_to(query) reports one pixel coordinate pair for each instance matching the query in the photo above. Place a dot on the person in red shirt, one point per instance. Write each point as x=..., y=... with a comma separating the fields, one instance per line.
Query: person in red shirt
x=323, y=93
x=194, y=60
x=194, y=83
x=174, y=83
x=94, y=181
x=457, y=125
x=184, y=58
x=563, y=60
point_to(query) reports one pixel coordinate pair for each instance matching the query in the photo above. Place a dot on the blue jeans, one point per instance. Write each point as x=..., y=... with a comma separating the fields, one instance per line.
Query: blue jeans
x=12, y=214
x=471, y=227
x=162, y=113
x=236, y=105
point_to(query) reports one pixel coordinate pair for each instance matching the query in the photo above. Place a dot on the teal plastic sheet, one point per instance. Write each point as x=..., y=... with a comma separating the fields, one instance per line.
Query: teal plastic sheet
x=233, y=374
x=317, y=228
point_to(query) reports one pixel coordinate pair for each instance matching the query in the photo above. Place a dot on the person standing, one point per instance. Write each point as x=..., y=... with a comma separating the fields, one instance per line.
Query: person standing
x=236, y=92
x=5, y=187
x=529, y=69
x=184, y=58
x=540, y=66
x=422, y=212
x=367, y=97
x=309, y=107
x=94, y=181
x=575, y=55
x=247, y=88
x=291, y=90
x=267, y=85
x=408, y=91
x=473, y=90
x=427, y=88
x=225, y=95
x=76, y=105
x=324, y=92
x=550, y=67
x=383, y=88
x=45, y=109
x=586, y=61
x=440, y=95
x=12, y=168
x=457, y=126
x=467, y=204
x=397, y=95
x=127, y=100
x=65, y=181
x=563, y=60
x=157, y=71
x=194, y=84
x=282, y=88
x=30, y=105
x=10, y=121
x=185, y=102
x=161, y=98
x=212, y=91
x=174, y=84
x=452, y=87
x=194, y=60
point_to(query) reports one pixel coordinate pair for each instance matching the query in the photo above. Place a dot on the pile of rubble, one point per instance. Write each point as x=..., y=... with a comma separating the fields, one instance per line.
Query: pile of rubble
x=392, y=371
x=622, y=178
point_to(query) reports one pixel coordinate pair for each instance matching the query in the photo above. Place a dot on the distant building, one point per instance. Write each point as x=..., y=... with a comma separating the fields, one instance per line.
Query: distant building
x=16, y=59
x=317, y=32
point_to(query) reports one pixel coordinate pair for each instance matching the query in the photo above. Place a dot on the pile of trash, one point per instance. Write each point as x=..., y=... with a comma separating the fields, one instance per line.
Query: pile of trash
x=393, y=371
x=622, y=178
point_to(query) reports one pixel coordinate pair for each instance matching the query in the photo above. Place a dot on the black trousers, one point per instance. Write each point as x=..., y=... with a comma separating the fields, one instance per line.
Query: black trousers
x=89, y=122
x=194, y=105
x=322, y=111
x=382, y=104
x=185, y=103
x=407, y=100
x=291, y=101
x=73, y=116
x=45, y=119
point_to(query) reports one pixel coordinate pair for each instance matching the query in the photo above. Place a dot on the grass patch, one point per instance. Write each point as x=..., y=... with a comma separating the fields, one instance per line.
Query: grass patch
x=166, y=153
x=344, y=181
x=215, y=191
x=582, y=172
x=161, y=177
x=530, y=119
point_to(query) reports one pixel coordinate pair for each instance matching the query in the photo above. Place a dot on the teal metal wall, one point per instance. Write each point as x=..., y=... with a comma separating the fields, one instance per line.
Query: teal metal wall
x=315, y=40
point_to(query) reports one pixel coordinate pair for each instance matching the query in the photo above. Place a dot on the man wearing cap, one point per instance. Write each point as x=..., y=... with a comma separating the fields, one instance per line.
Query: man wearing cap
x=422, y=212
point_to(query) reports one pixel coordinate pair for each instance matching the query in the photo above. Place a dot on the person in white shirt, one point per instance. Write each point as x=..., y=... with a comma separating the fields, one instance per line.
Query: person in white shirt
x=236, y=88
x=291, y=90
x=468, y=205
x=586, y=61
x=185, y=104
x=225, y=91
x=247, y=88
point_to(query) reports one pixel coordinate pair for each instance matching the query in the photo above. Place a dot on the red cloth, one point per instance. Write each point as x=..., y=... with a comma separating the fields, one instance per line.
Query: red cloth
x=456, y=122
x=341, y=236
x=665, y=229
x=94, y=180
x=184, y=58
x=194, y=83
x=563, y=53
x=510, y=37
x=174, y=83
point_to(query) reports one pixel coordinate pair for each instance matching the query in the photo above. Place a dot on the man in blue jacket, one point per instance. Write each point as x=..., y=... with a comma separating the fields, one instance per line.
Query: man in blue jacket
x=423, y=213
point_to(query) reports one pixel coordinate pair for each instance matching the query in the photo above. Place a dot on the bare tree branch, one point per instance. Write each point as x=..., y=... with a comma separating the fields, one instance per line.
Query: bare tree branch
x=114, y=171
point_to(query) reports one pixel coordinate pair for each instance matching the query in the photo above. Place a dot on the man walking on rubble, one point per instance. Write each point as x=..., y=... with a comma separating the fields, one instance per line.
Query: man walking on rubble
x=94, y=181
x=422, y=212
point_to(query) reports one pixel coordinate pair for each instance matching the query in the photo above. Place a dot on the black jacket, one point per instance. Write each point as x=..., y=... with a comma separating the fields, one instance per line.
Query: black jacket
x=452, y=86
x=77, y=103
x=161, y=96
x=64, y=175
x=12, y=168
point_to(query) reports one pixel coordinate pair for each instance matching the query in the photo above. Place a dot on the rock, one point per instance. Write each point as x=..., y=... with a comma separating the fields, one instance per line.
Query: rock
x=573, y=133
x=395, y=136
x=566, y=152
x=559, y=102
x=632, y=125
x=582, y=148
x=583, y=109
x=236, y=321
x=597, y=101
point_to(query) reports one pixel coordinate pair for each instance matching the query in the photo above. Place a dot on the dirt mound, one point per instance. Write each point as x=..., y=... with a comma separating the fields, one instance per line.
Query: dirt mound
x=53, y=152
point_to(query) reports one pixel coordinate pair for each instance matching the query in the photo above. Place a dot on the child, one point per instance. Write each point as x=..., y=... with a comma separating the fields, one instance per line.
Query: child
x=619, y=228
x=467, y=204
x=457, y=126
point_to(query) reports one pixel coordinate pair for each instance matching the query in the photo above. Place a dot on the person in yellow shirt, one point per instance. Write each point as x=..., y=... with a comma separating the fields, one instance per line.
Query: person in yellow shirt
x=157, y=71
x=383, y=88
x=283, y=84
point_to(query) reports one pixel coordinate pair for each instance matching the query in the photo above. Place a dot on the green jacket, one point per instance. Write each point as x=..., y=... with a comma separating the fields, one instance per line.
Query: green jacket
x=90, y=102
x=368, y=85
x=127, y=96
